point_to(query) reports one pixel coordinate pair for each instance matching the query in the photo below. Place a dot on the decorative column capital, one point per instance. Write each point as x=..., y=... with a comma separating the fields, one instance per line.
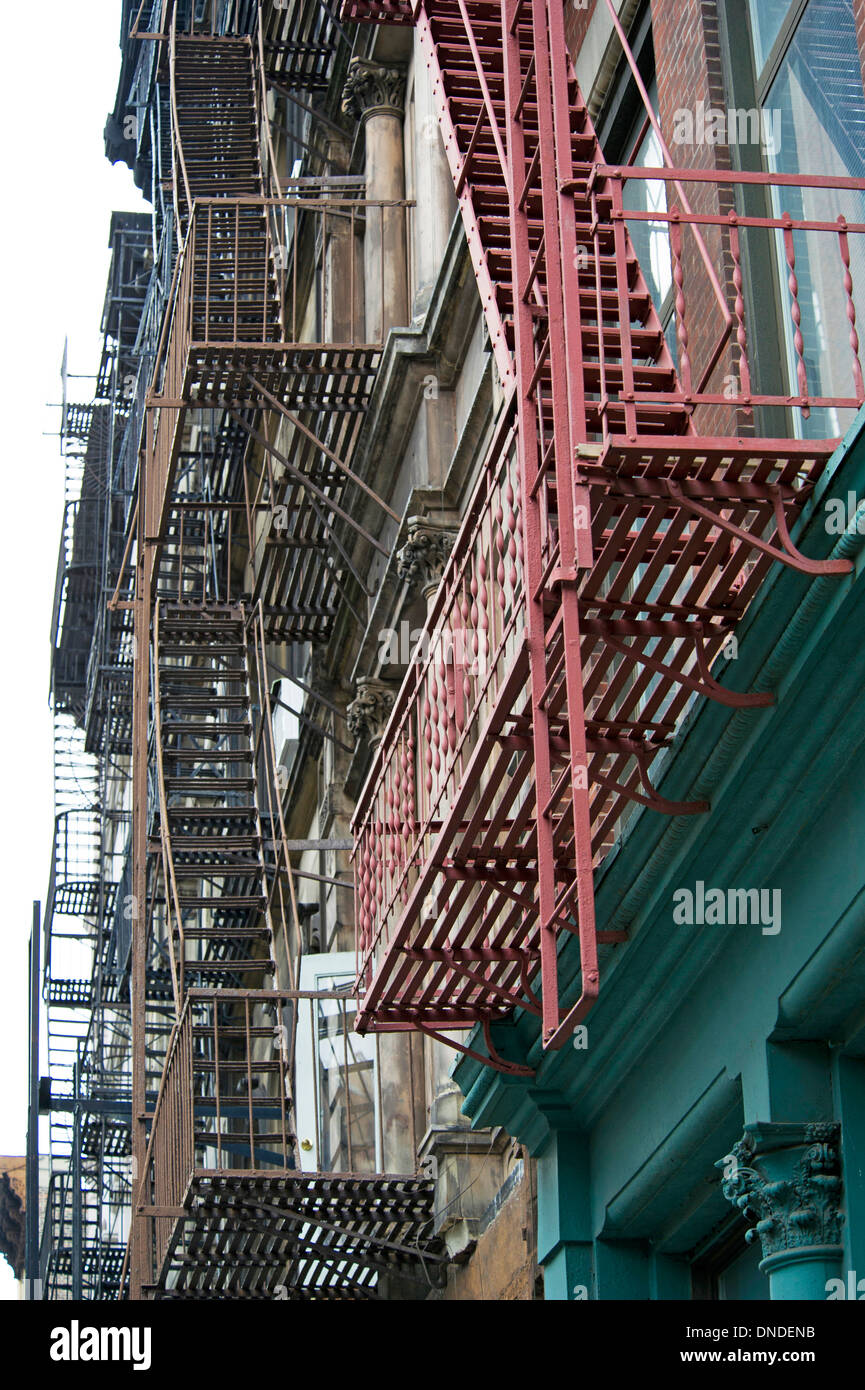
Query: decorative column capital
x=369, y=711
x=373, y=89
x=421, y=561
x=787, y=1178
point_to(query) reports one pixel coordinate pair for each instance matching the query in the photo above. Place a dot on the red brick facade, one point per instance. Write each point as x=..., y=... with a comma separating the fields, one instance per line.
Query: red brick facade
x=577, y=21
x=689, y=70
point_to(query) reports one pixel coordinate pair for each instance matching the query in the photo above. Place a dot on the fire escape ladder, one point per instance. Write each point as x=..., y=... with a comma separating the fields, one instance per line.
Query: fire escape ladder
x=214, y=877
x=223, y=1202
x=551, y=407
x=554, y=271
x=215, y=128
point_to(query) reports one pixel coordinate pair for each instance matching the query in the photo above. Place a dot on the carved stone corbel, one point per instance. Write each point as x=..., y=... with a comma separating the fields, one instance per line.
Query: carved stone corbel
x=421, y=561
x=369, y=711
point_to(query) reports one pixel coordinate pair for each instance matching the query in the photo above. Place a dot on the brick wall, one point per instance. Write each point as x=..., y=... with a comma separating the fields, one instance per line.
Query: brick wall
x=577, y=21
x=503, y=1266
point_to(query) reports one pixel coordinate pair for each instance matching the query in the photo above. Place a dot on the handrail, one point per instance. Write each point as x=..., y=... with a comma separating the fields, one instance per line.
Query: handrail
x=352, y=209
x=145, y=1166
x=274, y=794
x=668, y=173
x=177, y=979
x=784, y=227
x=177, y=144
x=265, y=115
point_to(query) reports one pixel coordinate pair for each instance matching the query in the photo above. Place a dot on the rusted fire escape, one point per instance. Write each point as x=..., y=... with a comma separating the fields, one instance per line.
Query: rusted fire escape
x=223, y=1206
x=625, y=516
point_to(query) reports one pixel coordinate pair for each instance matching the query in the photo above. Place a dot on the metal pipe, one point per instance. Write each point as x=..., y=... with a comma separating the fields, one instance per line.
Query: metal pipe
x=31, y=1193
x=77, y=1194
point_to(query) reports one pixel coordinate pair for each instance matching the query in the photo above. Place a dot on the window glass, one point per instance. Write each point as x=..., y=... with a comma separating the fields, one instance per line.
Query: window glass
x=650, y=240
x=345, y=1086
x=743, y=1278
x=767, y=16
x=816, y=108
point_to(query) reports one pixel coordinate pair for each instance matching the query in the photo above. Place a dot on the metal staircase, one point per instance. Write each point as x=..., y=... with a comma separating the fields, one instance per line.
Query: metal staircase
x=625, y=515
x=213, y=870
x=216, y=131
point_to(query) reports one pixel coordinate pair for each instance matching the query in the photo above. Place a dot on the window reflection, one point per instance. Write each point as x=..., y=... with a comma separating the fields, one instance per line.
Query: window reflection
x=817, y=95
x=650, y=240
x=346, y=1095
x=767, y=16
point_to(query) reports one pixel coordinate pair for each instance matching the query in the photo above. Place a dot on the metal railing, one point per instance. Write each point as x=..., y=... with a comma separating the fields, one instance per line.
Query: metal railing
x=259, y=273
x=228, y=1099
x=470, y=651
x=824, y=250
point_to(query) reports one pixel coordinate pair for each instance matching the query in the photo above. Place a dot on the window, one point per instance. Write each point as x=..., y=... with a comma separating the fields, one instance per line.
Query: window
x=337, y=1075
x=727, y=1268
x=767, y=18
x=627, y=137
x=651, y=240
x=808, y=83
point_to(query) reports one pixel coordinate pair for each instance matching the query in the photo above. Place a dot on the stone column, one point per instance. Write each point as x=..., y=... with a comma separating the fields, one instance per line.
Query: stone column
x=344, y=318
x=376, y=94
x=421, y=561
x=787, y=1178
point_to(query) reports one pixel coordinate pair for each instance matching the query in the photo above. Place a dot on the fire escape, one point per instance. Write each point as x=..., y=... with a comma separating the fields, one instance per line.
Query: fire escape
x=87, y=930
x=626, y=514
x=259, y=387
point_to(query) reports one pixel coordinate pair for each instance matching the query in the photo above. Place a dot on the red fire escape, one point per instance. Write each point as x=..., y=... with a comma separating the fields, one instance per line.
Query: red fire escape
x=625, y=516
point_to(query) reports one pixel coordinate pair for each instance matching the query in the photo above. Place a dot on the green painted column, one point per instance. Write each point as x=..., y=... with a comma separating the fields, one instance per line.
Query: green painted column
x=622, y=1270
x=850, y=1090
x=786, y=1178
x=564, y=1227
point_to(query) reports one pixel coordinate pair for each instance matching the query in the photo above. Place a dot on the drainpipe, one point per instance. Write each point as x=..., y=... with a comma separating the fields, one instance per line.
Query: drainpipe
x=31, y=1197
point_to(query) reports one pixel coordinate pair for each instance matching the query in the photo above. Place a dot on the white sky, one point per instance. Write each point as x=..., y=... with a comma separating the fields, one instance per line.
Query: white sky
x=59, y=64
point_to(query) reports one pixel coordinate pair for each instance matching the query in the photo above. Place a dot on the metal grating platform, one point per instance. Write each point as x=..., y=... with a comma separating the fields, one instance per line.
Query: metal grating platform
x=304, y=1237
